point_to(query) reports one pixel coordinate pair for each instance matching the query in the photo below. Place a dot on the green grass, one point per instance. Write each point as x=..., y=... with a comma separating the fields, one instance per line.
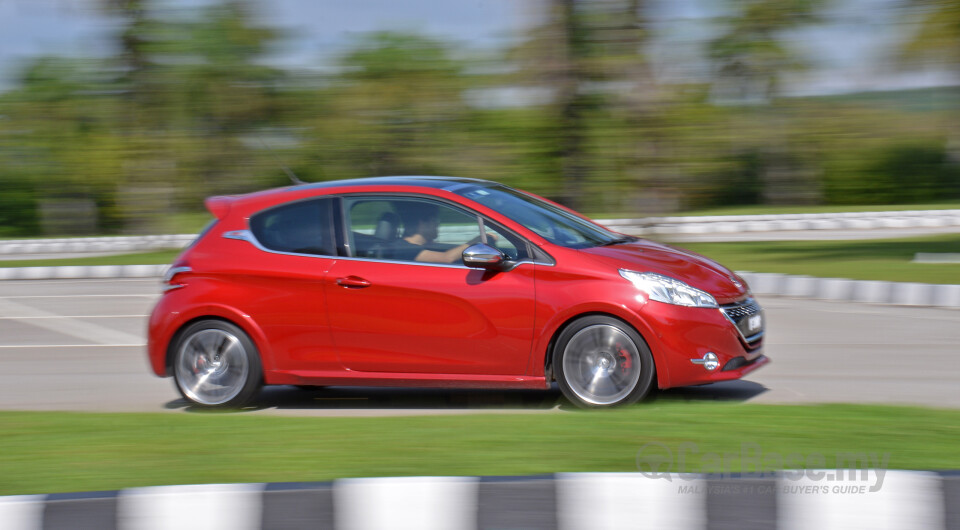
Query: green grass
x=774, y=210
x=887, y=259
x=61, y=452
x=761, y=209
x=160, y=257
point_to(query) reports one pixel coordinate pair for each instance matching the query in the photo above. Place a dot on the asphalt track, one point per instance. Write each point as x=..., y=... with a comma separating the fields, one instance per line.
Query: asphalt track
x=78, y=345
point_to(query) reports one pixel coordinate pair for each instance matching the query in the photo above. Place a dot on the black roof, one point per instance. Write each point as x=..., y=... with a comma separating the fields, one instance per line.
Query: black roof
x=421, y=181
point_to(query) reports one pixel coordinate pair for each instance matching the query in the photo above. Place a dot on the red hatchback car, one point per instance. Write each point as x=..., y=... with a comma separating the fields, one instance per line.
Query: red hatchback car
x=441, y=282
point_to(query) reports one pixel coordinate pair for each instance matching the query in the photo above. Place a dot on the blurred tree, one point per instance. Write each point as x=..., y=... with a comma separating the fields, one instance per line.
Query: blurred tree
x=591, y=55
x=937, y=39
x=750, y=55
x=192, y=93
x=749, y=58
x=57, y=121
x=938, y=32
x=569, y=74
x=395, y=107
x=573, y=112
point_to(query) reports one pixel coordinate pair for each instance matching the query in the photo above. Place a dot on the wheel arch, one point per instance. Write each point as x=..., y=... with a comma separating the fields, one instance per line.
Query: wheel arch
x=552, y=343
x=253, y=334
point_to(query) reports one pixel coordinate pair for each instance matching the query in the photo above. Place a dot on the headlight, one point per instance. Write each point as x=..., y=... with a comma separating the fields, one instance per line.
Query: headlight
x=667, y=290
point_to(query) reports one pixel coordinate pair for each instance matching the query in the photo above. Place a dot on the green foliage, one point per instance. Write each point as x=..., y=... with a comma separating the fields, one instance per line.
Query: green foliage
x=184, y=108
x=871, y=259
x=149, y=131
x=396, y=109
x=737, y=182
x=752, y=49
x=908, y=172
x=18, y=210
x=938, y=36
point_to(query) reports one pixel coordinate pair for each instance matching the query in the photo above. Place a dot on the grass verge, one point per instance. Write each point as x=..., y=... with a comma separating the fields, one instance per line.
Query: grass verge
x=161, y=257
x=763, y=209
x=886, y=259
x=62, y=452
x=760, y=209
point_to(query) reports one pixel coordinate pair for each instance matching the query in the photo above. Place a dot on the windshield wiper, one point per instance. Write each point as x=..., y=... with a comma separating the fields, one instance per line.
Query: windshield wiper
x=619, y=240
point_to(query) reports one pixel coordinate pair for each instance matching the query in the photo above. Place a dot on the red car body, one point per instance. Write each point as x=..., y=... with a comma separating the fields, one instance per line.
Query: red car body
x=342, y=320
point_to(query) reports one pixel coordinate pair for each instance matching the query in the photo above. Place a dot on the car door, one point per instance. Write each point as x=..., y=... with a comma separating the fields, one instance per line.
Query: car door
x=391, y=313
x=284, y=288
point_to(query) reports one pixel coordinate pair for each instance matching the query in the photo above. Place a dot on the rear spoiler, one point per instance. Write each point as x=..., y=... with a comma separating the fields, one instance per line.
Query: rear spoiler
x=219, y=205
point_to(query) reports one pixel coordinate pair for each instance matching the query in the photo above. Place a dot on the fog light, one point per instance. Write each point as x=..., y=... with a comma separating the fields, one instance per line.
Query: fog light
x=710, y=361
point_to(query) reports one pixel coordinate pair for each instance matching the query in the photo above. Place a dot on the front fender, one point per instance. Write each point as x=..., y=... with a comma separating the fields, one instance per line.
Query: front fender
x=552, y=327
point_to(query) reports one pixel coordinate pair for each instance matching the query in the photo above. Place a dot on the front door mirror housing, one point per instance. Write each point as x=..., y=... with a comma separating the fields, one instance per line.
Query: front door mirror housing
x=483, y=256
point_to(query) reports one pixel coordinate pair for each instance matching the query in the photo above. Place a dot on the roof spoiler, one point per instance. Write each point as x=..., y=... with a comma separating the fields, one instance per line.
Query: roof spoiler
x=218, y=205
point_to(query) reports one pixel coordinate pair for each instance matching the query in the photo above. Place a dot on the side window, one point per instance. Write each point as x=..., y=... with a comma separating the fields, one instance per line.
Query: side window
x=303, y=227
x=509, y=243
x=409, y=229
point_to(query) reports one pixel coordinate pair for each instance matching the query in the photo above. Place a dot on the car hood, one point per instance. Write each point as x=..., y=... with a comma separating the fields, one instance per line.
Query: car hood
x=691, y=268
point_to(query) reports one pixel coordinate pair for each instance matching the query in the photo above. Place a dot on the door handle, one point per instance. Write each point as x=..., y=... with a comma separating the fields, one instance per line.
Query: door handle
x=353, y=282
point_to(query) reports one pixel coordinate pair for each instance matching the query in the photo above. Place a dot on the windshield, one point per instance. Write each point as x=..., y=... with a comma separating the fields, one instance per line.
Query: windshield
x=554, y=224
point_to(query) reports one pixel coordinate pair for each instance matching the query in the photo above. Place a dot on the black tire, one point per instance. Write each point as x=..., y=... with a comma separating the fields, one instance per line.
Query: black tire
x=216, y=365
x=602, y=362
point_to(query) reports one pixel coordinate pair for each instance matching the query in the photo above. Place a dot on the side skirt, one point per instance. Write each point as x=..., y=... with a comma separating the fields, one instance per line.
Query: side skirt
x=353, y=378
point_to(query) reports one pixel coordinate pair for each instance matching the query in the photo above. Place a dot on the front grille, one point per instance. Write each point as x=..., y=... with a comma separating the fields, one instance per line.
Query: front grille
x=746, y=308
x=740, y=314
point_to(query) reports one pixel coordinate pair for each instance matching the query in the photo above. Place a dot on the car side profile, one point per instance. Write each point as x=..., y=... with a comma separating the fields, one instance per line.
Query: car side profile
x=441, y=282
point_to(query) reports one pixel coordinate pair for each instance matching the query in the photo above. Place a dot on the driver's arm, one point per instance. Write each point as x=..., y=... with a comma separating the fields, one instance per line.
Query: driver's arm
x=447, y=256
x=451, y=255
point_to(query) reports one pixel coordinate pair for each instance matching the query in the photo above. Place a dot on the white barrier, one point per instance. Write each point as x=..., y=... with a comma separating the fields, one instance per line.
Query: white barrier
x=821, y=499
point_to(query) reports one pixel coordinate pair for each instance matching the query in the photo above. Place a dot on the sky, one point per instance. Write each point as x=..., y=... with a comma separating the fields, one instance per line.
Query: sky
x=851, y=54
x=318, y=28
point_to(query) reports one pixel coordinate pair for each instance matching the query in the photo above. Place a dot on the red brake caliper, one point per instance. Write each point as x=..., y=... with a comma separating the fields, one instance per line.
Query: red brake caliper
x=625, y=361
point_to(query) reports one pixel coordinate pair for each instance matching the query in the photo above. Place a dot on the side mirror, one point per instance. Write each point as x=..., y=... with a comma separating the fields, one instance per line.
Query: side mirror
x=483, y=256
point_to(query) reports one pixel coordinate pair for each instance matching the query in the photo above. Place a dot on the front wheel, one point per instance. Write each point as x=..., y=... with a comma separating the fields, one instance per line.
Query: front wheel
x=600, y=361
x=217, y=365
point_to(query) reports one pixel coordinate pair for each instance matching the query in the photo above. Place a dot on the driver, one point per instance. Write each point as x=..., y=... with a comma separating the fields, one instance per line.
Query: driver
x=420, y=228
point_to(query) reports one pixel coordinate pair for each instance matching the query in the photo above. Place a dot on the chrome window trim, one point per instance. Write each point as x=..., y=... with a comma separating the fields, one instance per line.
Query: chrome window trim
x=247, y=235
x=428, y=264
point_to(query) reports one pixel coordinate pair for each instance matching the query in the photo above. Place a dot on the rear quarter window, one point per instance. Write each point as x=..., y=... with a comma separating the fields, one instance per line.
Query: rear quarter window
x=304, y=227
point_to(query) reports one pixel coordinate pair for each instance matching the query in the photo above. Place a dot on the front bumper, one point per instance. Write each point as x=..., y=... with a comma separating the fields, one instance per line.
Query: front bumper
x=680, y=335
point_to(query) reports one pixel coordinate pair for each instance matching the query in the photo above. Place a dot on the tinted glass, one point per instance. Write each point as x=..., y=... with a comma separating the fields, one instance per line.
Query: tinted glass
x=303, y=227
x=402, y=228
x=512, y=245
x=554, y=224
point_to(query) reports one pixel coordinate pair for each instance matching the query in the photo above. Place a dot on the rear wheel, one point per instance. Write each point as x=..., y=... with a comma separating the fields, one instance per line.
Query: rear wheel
x=600, y=361
x=216, y=365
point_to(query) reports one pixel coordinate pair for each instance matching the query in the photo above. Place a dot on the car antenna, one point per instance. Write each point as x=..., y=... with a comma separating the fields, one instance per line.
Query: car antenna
x=291, y=174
